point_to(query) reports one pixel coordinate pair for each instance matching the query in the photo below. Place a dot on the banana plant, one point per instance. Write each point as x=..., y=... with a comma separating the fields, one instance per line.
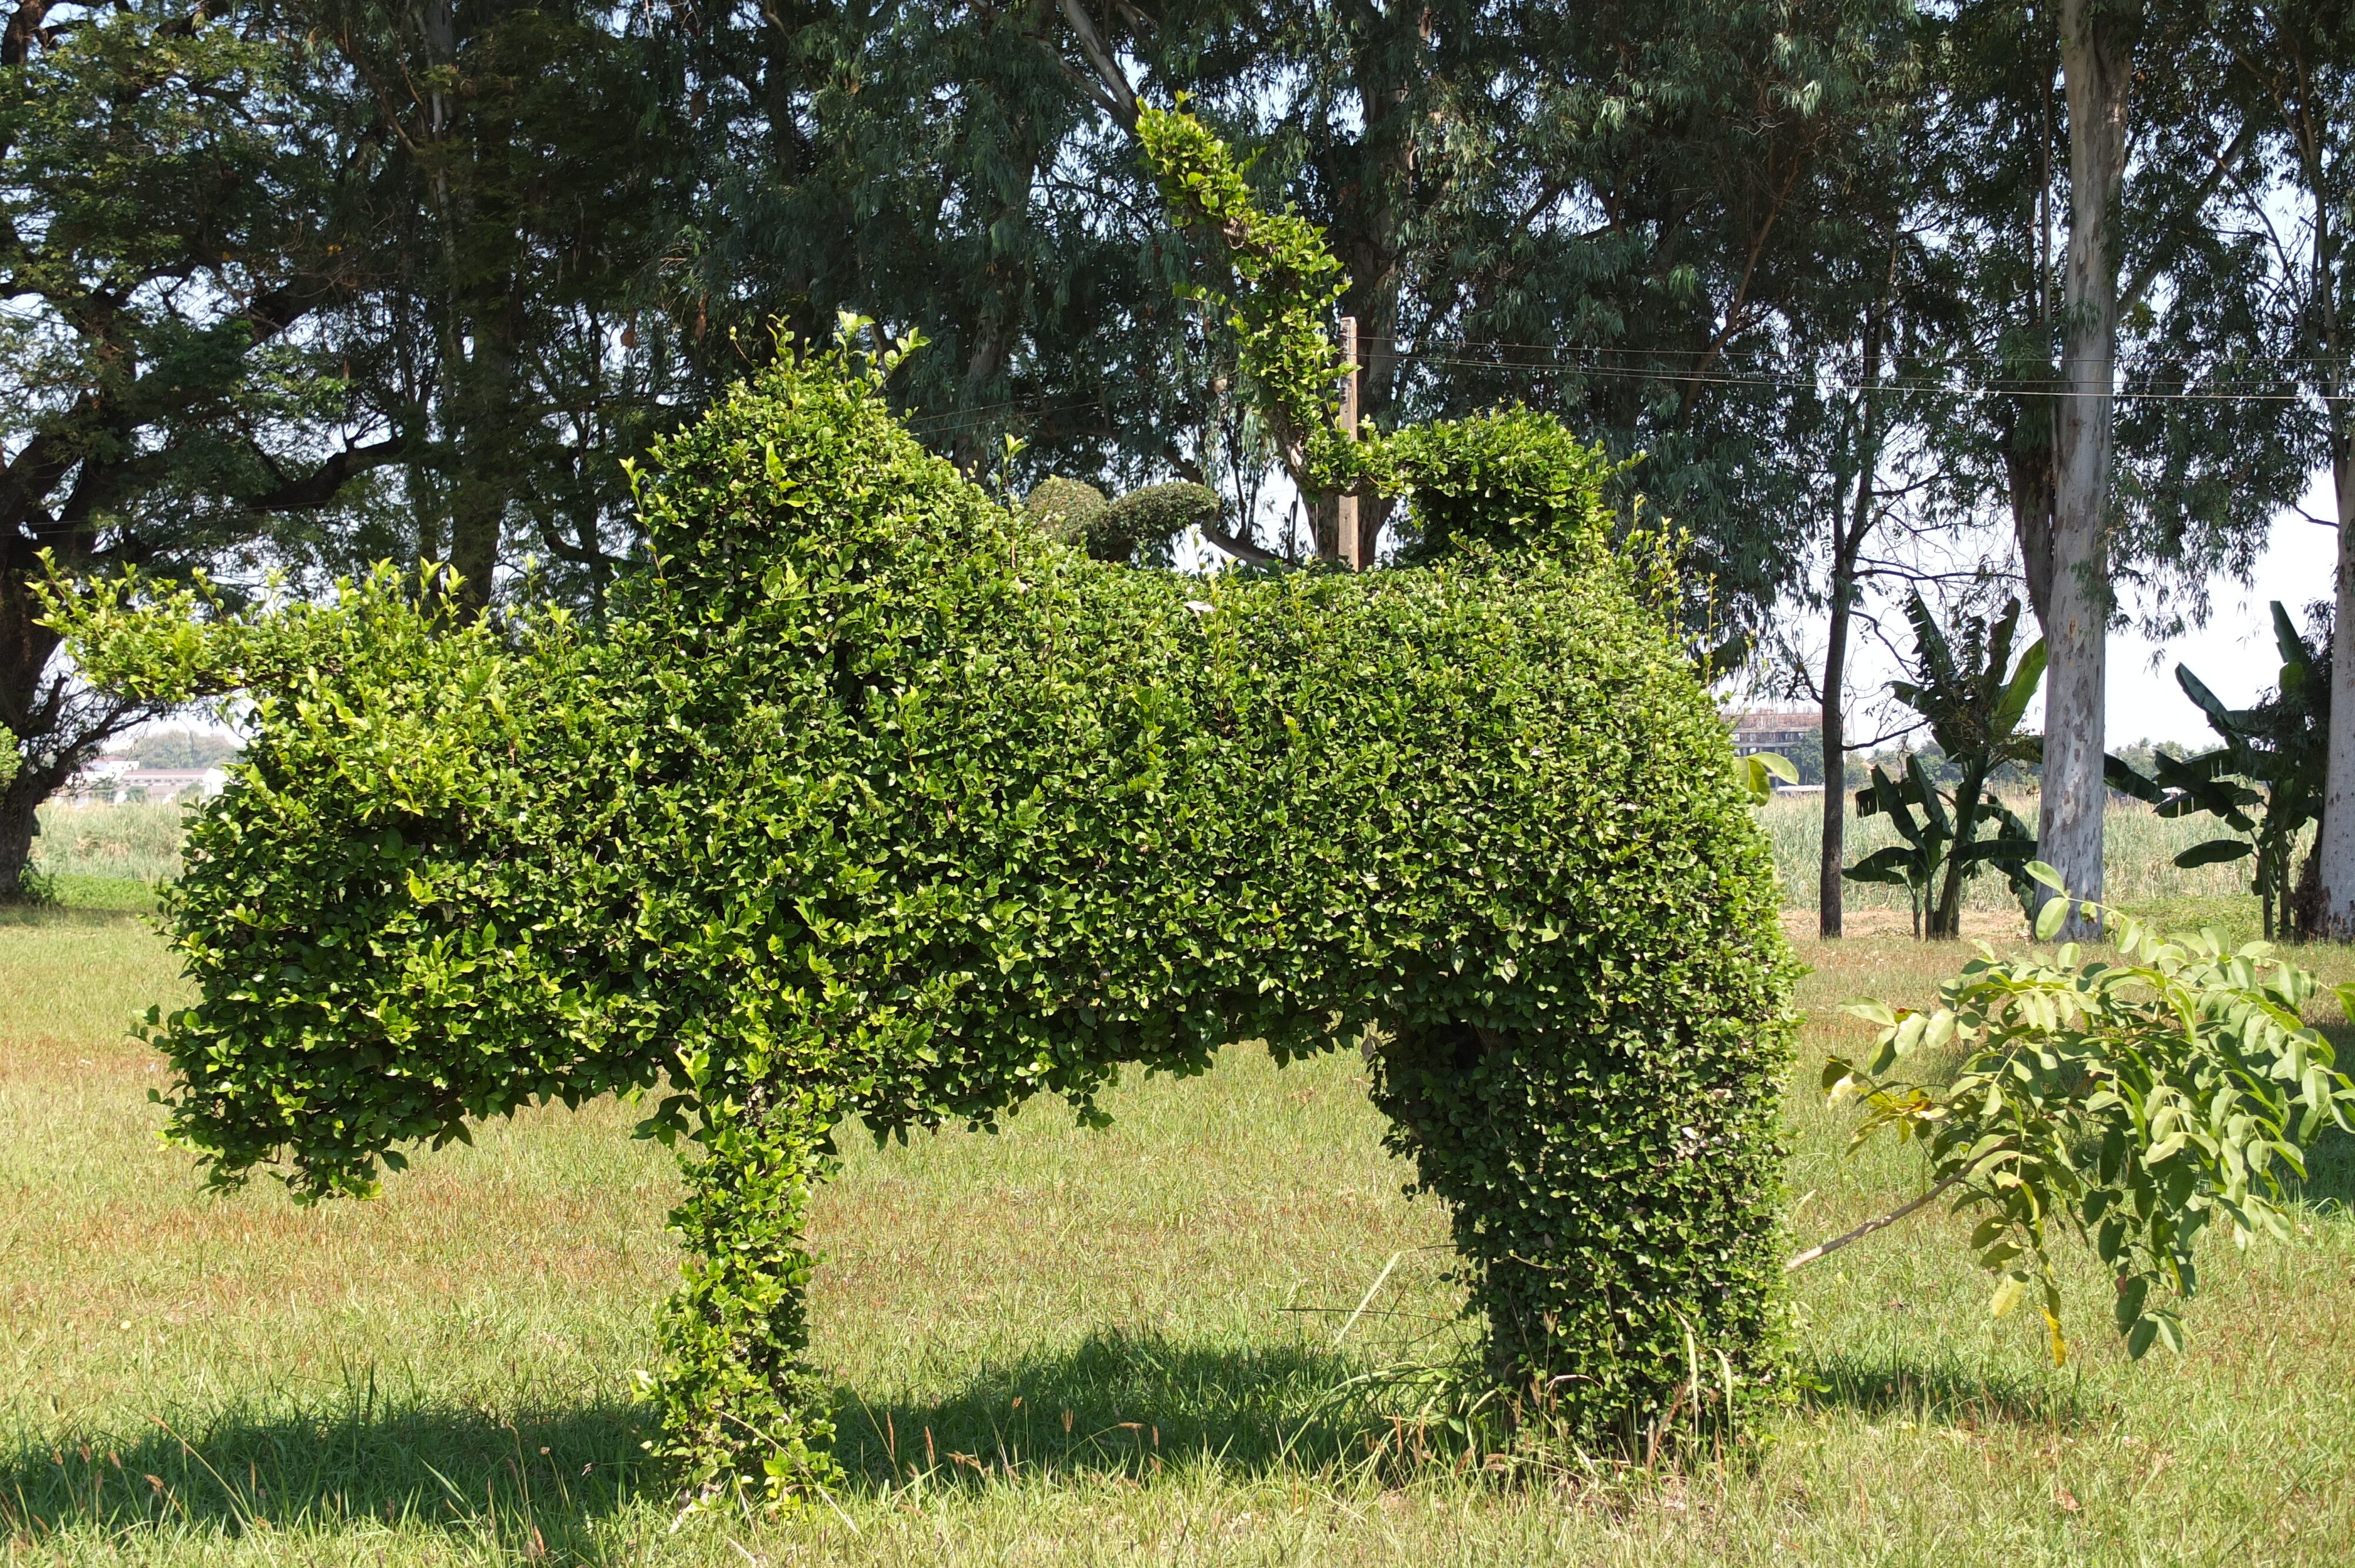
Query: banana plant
x=1757, y=772
x=2266, y=783
x=1970, y=693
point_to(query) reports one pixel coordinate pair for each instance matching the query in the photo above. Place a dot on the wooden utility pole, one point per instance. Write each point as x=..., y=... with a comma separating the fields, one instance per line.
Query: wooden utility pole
x=1345, y=510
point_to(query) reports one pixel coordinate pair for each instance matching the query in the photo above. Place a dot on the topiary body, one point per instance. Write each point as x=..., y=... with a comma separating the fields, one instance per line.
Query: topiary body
x=876, y=802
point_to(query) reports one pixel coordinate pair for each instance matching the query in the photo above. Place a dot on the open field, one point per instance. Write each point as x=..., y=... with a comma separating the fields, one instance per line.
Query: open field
x=109, y=855
x=2137, y=863
x=1052, y=1346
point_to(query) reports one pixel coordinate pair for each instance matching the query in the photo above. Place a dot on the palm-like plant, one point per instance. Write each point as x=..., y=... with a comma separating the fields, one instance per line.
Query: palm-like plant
x=2266, y=783
x=1972, y=697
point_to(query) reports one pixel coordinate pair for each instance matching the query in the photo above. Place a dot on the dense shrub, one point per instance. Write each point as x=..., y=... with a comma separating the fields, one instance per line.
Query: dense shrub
x=876, y=802
x=1509, y=480
x=1134, y=530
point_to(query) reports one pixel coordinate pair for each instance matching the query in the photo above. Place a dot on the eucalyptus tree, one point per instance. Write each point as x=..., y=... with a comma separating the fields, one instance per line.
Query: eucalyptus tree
x=2292, y=73
x=1674, y=185
x=2104, y=363
x=179, y=214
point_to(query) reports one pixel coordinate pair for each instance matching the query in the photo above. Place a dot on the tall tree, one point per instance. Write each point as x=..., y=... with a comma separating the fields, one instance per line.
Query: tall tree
x=2104, y=339
x=2096, y=69
x=533, y=165
x=175, y=223
x=2292, y=67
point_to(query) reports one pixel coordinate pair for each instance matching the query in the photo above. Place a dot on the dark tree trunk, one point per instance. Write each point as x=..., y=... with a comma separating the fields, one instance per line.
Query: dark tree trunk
x=20, y=804
x=1848, y=535
x=478, y=507
x=1831, y=886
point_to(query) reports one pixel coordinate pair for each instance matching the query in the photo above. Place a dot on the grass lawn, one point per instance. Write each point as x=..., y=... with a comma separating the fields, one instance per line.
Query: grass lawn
x=1052, y=1346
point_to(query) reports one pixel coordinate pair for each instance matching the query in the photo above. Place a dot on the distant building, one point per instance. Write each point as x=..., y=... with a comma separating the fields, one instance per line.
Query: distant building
x=1771, y=730
x=113, y=780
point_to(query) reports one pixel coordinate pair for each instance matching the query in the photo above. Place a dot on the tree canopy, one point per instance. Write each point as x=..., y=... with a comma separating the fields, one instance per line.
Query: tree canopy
x=305, y=283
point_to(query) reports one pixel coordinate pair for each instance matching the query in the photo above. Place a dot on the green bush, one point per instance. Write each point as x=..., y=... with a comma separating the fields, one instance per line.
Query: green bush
x=875, y=801
x=1508, y=480
x=879, y=800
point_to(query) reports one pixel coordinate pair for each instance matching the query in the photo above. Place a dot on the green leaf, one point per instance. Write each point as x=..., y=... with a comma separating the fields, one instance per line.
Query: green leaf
x=2025, y=681
x=2132, y=1294
x=2050, y=918
x=2215, y=853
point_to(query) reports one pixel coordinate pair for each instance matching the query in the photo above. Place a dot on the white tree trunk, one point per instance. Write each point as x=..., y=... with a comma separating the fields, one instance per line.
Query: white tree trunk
x=2336, y=848
x=2095, y=65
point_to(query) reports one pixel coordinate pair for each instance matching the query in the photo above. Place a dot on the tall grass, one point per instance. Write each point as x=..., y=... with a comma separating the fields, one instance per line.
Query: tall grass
x=138, y=840
x=2138, y=860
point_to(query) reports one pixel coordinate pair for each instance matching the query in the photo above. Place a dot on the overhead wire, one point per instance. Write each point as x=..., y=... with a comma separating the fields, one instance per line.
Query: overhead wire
x=2249, y=382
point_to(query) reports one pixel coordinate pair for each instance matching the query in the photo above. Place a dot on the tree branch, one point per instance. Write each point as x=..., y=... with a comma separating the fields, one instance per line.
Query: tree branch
x=318, y=487
x=2226, y=161
x=1825, y=1249
x=1120, y=97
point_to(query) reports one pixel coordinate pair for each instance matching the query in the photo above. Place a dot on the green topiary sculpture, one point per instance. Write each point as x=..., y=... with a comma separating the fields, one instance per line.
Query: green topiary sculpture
x=1133, y=530
x=875, y=801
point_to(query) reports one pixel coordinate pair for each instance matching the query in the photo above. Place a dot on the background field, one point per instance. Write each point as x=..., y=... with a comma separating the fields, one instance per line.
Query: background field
x=106, y=854
x=2137, y=860
x=1052, y=1345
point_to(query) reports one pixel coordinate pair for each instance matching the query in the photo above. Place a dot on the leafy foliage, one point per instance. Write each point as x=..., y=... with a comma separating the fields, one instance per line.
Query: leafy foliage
x=1275, y=280
x=2266, y=781
x=1134, y=530
x=1973, y=698
x=874, y=800
x=1508, y=480
x=2134, y=1103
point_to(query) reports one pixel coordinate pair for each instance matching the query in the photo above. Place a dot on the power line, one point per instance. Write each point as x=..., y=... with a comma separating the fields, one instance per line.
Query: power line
x=1903, y=387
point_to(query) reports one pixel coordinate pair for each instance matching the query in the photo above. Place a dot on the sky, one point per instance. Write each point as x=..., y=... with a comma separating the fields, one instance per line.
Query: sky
x=2233, y=653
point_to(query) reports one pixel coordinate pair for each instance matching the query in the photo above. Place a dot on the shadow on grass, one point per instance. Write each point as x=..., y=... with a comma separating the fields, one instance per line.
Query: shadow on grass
x=80, y=918
x=544, y=1480
x=544, y=1476
x=1944, y=1391
x=2330, y=1164
x=1120, y=1404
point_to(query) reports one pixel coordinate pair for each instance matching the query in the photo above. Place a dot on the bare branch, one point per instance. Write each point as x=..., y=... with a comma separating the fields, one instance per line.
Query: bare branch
x=1825, y=1249
x=1118, y=97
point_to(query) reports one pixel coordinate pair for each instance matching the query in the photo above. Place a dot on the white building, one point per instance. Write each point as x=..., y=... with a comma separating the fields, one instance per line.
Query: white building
x=113, y=780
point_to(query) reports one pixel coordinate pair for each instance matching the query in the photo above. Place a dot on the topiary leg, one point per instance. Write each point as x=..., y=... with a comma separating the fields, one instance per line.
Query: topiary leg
x=1616, y=1209
x=741, y=1409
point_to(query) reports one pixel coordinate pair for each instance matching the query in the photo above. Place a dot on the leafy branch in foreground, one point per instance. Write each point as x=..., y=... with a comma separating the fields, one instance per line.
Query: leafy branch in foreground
x=2134, y=1103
